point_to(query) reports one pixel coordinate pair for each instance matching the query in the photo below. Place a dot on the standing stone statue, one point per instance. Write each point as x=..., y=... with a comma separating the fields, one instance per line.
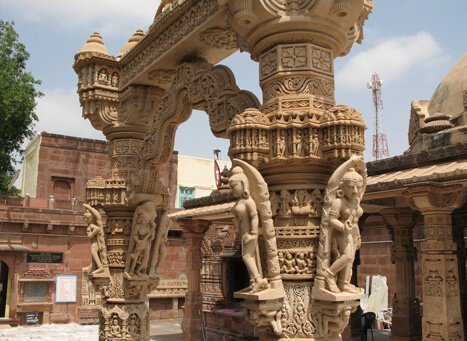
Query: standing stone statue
x=247, y=221
x=339, y=233
x=142, y=234
x=95, y=231
x=159, y=247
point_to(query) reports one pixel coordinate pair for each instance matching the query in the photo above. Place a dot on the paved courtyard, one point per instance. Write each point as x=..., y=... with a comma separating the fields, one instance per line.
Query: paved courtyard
x=160, y=331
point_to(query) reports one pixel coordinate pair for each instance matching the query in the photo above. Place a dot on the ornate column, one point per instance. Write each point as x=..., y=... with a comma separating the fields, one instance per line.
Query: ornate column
x=406, y=318
x=297, y=139
x=442, y=318
x=193, y=231
x=128, y=250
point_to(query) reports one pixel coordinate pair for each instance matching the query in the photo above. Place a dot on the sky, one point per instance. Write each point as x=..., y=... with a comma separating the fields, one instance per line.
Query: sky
x=410, y=43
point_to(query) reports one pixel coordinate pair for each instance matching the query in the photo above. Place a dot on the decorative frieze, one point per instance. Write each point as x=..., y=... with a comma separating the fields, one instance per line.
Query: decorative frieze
x=296, y=57
x=219, y=37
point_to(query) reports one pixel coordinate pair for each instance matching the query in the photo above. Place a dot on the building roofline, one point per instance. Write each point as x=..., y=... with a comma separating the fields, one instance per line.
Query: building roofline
x=84, y=139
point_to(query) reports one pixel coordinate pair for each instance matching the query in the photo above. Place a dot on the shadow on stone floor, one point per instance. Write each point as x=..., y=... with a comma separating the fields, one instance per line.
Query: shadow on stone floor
x=170, y=337
x=378, y=335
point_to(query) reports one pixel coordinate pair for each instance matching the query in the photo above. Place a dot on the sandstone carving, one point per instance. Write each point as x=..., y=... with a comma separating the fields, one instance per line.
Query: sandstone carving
x=293, y=139
x=159, y=246
x=142, y=234
x=247, y=221
x=95, y=231
x=339, y=234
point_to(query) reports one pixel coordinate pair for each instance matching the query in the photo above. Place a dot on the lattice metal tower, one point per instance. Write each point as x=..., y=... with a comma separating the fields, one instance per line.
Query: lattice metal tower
x=380, y=145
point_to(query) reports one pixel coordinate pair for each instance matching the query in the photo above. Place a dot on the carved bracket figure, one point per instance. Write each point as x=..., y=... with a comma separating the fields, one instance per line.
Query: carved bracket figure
x=99, y=266
x=253, y=219
x=143, y=232
x=339, y=233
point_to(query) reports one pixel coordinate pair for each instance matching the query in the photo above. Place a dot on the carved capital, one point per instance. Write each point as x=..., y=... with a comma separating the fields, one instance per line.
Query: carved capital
x=262, y=24
x=399, y=217
x=435, y=198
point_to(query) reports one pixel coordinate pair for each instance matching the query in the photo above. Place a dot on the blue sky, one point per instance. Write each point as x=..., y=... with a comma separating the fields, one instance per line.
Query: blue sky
x=410, y=43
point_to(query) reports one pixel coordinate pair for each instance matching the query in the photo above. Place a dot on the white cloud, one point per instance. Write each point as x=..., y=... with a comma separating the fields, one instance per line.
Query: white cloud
x=59, y=112
x=390, y=58
x=106, y=16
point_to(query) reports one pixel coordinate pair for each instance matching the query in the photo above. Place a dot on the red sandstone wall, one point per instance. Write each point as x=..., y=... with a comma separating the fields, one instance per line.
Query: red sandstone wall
x=375, y=257
x=74, y=159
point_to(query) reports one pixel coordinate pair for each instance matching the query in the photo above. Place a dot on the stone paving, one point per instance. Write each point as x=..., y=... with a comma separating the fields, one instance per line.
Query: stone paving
x=160, y=331
x=169, y=330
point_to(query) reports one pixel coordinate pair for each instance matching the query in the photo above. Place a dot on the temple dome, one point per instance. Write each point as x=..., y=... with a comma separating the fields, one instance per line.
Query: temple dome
x=95, y=43
x=134, y=39
x=448, y=96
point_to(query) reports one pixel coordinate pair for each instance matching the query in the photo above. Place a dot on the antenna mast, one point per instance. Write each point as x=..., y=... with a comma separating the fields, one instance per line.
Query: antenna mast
x=380, y=145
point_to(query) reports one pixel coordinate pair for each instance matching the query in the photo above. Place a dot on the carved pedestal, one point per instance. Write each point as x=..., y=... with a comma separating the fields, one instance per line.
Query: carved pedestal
x=124, y=314
x=406, y=318
x=442, y=319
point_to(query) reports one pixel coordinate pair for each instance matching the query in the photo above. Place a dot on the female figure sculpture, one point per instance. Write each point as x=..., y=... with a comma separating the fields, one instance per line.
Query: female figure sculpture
x=142, y=233
x=95, y=231
x=246, y=221
x=339, y=233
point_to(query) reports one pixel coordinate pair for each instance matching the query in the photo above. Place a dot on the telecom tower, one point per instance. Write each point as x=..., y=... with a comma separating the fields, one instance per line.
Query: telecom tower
x=380, y=145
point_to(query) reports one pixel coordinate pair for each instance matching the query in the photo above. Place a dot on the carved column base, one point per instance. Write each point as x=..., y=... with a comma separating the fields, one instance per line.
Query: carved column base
x=124, y=322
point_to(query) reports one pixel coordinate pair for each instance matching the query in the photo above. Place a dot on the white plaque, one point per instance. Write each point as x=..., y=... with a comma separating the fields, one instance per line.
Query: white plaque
x=66, y=288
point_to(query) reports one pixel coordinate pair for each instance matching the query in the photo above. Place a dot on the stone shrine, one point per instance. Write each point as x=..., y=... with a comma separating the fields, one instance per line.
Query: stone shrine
x=298, y=175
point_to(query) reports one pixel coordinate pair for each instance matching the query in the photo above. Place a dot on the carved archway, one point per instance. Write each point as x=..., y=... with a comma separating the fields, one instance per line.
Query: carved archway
x=198, y=85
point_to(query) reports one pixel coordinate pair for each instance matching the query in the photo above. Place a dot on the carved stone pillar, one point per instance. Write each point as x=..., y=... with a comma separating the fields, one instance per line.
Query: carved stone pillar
x=131, y=245
x=193, y=232
x=442, y=318
x=406, y=318
x=308, y=137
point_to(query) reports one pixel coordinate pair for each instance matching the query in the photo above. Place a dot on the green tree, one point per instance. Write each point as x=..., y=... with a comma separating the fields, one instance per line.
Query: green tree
x=18, y=96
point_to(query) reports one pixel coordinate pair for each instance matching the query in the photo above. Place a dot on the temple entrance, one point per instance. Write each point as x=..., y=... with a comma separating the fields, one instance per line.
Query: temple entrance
x=4, y=271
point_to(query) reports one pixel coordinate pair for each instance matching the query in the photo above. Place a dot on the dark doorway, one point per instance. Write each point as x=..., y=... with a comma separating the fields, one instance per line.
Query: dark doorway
x=3, y=288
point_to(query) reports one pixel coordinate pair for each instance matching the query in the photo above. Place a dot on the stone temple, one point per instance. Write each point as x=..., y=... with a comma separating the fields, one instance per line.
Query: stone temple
x=296, y=199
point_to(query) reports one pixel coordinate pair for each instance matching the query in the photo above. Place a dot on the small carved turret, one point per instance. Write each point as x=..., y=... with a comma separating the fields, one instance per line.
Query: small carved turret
x=95, y=44
x=134, y=39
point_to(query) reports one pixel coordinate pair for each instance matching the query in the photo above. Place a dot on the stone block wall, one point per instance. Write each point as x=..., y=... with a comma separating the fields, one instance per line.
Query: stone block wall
x=376, y=258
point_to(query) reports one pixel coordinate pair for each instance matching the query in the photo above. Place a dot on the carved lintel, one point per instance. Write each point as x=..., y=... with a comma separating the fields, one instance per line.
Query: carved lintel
x=399, y=217
x=194, y=226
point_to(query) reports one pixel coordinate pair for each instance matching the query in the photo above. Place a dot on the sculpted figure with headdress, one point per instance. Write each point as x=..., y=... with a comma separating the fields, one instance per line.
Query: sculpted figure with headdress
x=339, y=232
x=247, y=221
x=95, y=231
x=143, y=232
x=253, y=218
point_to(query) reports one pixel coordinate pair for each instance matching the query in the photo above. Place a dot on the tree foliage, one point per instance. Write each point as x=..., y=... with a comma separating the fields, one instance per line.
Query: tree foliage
x=18, y=96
